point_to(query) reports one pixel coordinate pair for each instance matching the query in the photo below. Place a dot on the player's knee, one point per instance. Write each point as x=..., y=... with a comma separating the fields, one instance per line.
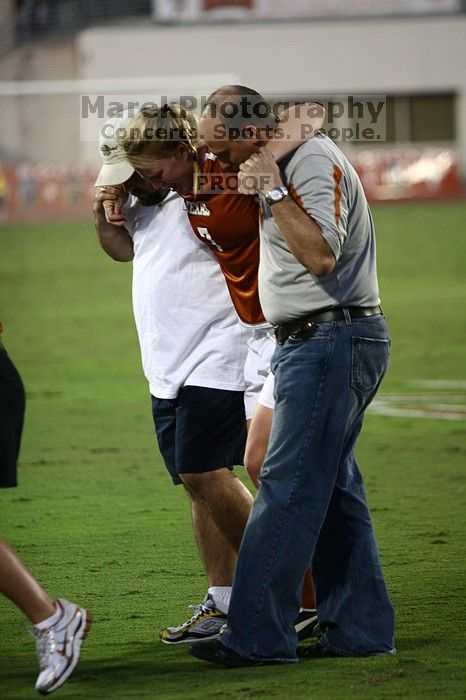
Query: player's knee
x=191, y=480
x=202, y=483
x=196, y=481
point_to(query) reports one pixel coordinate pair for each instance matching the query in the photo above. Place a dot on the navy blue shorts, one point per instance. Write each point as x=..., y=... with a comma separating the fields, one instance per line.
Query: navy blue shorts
x=201, y=430
x=12, y=404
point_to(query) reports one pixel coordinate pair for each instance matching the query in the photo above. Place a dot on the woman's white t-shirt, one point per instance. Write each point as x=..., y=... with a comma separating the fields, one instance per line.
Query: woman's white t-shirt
x=189, y=331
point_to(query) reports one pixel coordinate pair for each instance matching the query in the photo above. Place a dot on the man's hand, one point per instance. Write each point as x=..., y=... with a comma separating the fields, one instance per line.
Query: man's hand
x=259, y=173
x=108, y=203
x=303, y=235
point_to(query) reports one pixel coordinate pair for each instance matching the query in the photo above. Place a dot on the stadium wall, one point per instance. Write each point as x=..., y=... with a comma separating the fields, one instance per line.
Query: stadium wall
x=340, y=56
x=357, y=55
x=375, y=56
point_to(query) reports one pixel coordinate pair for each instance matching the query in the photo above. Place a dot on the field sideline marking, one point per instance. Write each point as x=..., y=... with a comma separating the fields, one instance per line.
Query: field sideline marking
x=438, y=406
x=438, y=383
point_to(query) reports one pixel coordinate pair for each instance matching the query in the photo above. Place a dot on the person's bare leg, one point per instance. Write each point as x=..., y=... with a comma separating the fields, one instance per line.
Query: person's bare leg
x=228, y=500
x=217, y=555
x=218, y=535
x=20, y=586
x=257, y=442
x=308, y=600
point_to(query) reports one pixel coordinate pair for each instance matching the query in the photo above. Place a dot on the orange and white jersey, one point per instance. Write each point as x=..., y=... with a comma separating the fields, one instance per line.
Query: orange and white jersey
x=228, y=222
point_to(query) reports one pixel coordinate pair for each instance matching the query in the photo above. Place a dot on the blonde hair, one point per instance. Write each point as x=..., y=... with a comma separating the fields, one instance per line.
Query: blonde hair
x=157, y=133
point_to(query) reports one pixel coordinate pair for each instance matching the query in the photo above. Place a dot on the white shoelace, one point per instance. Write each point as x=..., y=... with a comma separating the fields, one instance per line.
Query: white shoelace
x=199, y=608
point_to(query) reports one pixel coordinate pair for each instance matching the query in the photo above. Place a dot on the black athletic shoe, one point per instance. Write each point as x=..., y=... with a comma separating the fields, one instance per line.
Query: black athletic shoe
x=320, y=652
x=317, y=651
x=215, y=652
x=307, y=624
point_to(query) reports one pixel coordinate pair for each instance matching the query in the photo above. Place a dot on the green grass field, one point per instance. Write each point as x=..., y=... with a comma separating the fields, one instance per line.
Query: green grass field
x=97, y=520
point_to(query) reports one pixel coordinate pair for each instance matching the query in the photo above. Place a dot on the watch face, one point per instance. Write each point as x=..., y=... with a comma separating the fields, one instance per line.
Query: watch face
x=276, y=195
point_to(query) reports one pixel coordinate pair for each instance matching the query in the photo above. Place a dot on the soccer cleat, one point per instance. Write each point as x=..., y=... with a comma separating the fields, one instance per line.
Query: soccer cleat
x=58, y=646
x=204, y=625
x=307, y=624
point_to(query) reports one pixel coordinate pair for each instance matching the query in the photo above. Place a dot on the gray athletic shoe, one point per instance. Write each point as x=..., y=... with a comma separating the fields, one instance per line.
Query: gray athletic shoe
x=205, y=624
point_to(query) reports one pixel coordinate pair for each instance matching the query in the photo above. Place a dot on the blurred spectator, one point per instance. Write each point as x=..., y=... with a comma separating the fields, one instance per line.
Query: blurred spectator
x=3, y=195
x=26, y=184
x=32, y=18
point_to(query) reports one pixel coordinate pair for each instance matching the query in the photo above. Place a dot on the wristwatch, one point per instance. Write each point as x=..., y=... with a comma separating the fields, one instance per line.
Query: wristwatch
x=275, y=195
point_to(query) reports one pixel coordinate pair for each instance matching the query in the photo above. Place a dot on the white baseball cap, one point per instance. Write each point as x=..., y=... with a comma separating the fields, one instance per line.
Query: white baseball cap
x=115, y=168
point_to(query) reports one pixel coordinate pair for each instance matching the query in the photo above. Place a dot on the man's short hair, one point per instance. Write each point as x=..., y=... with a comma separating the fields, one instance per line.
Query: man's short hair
x=236, y=107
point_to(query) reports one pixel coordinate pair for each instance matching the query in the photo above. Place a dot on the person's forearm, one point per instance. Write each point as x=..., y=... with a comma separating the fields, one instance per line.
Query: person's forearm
x=303, y=237
x=302, y=234
x=115, y=240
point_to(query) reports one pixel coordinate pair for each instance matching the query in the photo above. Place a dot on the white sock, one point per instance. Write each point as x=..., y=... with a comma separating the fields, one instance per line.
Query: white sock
x=221, y=597
x=49, y=621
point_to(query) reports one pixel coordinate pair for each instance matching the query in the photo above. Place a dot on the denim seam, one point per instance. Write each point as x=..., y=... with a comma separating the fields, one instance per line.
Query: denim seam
x=273, y=553
x=354, y=596
x=314, y=412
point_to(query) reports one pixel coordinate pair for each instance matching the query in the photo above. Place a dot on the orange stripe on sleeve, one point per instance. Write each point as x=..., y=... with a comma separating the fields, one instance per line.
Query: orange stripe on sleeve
x=337, y=175
x=294, y=195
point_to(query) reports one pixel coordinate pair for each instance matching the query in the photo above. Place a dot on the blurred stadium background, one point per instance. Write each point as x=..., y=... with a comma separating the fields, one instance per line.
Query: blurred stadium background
x=95, y=517
x=54, y=52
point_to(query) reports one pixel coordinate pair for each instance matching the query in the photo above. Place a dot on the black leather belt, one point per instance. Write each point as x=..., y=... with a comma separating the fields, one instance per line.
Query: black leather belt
x=305, y=327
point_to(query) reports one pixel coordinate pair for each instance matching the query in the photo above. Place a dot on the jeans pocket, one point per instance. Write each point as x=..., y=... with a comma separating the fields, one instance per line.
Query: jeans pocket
x=369, y=361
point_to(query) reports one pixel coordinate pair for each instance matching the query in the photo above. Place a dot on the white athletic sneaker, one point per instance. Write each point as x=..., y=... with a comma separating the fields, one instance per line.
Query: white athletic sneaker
x=58, y=646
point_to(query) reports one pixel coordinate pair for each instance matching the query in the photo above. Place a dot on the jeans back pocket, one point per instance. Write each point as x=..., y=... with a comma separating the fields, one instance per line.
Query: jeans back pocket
x=369, y=361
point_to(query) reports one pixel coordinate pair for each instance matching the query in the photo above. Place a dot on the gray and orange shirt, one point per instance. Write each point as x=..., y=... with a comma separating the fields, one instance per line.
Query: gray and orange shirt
x=322, y=181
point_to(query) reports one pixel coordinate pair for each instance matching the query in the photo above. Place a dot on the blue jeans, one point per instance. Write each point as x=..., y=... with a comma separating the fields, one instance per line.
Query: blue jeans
x=311, y=505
